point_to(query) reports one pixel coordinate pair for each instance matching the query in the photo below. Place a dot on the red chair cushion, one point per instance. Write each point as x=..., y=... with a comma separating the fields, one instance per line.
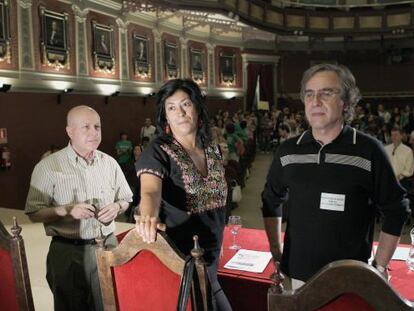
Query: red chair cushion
x=8, y=293
x=120, y=236
x=144, y=283
x=347, y=302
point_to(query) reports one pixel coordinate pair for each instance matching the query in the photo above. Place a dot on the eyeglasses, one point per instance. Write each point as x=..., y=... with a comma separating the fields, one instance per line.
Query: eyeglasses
x=323, y=94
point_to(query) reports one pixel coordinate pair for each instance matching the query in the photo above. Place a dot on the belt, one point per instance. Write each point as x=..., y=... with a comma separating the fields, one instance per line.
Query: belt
x=62, y=239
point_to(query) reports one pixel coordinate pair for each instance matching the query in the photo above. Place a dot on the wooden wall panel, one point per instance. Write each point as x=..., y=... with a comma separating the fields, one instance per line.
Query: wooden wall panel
x=34, y=121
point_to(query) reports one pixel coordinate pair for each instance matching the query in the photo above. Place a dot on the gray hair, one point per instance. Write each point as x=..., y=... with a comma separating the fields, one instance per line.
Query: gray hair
x=350, y=94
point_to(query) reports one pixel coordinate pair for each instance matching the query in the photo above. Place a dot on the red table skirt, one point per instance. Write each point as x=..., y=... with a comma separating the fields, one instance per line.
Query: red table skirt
x=248, y=291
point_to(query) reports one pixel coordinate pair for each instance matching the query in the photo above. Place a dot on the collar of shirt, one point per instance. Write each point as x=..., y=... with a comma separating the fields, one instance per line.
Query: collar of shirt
x=347, y=136
x=75, y=159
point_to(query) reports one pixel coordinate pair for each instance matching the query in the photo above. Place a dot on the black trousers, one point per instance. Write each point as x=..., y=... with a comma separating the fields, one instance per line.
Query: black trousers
x=220, y=301
x=73, y=277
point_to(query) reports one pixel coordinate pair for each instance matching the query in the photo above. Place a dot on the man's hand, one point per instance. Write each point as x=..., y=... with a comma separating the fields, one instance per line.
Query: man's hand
x=276, y=253
x=385, y=274
x=81, y=211
x=147, y=226
x=108, y=213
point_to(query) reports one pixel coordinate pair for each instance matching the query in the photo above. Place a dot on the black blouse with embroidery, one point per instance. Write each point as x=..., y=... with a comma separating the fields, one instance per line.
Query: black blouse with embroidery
x=191, y=203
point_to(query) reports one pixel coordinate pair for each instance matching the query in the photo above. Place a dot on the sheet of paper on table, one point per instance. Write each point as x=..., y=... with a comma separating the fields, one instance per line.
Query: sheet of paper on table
x=248, y=260
x=401, y=253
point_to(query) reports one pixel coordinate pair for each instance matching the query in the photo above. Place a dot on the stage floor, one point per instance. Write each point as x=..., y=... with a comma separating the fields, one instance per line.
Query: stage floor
x=37, y=244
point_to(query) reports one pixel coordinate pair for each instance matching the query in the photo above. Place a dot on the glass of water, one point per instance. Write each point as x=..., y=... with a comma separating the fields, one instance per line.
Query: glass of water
x=234, y=225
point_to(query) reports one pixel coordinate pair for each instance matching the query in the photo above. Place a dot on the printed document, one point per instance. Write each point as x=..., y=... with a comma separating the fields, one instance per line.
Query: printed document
x=248, y=260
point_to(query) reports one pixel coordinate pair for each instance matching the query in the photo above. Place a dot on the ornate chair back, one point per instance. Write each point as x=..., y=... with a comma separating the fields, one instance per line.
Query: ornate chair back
x=140, y=276
x=15, y=290
x=341, y=285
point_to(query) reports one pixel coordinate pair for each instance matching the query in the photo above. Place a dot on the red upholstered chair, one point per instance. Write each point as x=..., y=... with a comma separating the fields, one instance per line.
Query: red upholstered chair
x=140, y=276
x=341, y=285
x=15, y=290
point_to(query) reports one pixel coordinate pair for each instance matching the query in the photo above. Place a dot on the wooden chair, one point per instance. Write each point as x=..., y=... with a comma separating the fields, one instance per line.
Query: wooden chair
x=15, y=290
x=140, y=276
x=341, y=285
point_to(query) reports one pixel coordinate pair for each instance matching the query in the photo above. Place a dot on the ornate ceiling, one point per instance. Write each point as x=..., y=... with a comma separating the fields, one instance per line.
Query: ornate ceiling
x=315, y=18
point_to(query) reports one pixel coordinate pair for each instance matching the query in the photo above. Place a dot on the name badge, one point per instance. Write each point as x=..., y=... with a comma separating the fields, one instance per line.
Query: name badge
x=332, y=202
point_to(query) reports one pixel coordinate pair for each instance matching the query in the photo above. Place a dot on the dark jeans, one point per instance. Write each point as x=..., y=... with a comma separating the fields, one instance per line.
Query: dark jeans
x=73, y=277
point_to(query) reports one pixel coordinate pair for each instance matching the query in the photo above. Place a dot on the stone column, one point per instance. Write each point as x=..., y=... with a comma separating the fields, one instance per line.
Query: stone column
x=158, y=62
x=211, y=66
x=245, y=64
x=82, y=68
x=26, y=55
x=123, y=48
x=184, y=58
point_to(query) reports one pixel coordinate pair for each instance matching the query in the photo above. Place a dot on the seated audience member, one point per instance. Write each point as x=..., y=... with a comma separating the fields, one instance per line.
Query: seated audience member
x=401, y=156
x=232, y=141
x=217, y=135
x=231, y=175
x=133, y=181
x=123, y=149
x=383, y=114
x=266, y=130
x=144, y=142
x=301, y=124
x=137, y=152
x=148, y=130
x=402, y=160
x=52, y=149
x=284, y=132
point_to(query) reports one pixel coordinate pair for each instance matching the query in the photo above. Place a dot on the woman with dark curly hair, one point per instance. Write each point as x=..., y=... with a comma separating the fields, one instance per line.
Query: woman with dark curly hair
x=182, y=179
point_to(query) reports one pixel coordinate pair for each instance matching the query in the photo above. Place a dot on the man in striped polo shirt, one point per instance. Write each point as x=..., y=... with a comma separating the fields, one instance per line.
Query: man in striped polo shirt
x=333, y=178
x=77, y=192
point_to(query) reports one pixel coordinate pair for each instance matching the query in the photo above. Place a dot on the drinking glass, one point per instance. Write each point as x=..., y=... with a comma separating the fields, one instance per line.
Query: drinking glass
x=98, y=204
x=234, y=224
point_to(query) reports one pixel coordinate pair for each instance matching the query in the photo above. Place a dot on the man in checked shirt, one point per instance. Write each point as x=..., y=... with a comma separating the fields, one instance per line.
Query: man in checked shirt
x=77, y=192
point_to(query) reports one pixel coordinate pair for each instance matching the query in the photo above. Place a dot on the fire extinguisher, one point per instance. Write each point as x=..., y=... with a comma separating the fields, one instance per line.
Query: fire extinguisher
x=5, y=157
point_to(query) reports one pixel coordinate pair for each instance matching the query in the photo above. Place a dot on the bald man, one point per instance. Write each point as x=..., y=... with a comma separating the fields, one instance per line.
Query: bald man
x=77, y=192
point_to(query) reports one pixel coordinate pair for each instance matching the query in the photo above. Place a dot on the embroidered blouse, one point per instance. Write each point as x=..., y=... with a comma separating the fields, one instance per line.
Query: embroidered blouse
x=190, y=202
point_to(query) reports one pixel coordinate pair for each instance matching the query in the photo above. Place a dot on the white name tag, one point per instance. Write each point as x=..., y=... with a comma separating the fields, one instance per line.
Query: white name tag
x=332, y=202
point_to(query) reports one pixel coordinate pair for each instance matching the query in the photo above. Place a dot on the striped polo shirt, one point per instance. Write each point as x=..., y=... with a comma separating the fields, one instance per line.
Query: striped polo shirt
x=331, y=192
x=64, y=178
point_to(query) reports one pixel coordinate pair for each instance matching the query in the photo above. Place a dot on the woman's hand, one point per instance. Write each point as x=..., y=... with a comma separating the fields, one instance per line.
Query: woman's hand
x=147, y=227
x=147, y=221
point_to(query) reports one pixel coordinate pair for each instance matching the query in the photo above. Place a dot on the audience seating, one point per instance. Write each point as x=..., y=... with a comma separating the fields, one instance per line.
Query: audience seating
x=140, y=276
x=15, y=290
x=341, y=285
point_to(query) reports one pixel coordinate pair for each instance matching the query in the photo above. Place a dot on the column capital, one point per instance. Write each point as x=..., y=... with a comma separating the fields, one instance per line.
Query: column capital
x=122, y=24
x=157, y=35
x=183, y=42
x=26, y=4
x=80, y=14
x=210, y=47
